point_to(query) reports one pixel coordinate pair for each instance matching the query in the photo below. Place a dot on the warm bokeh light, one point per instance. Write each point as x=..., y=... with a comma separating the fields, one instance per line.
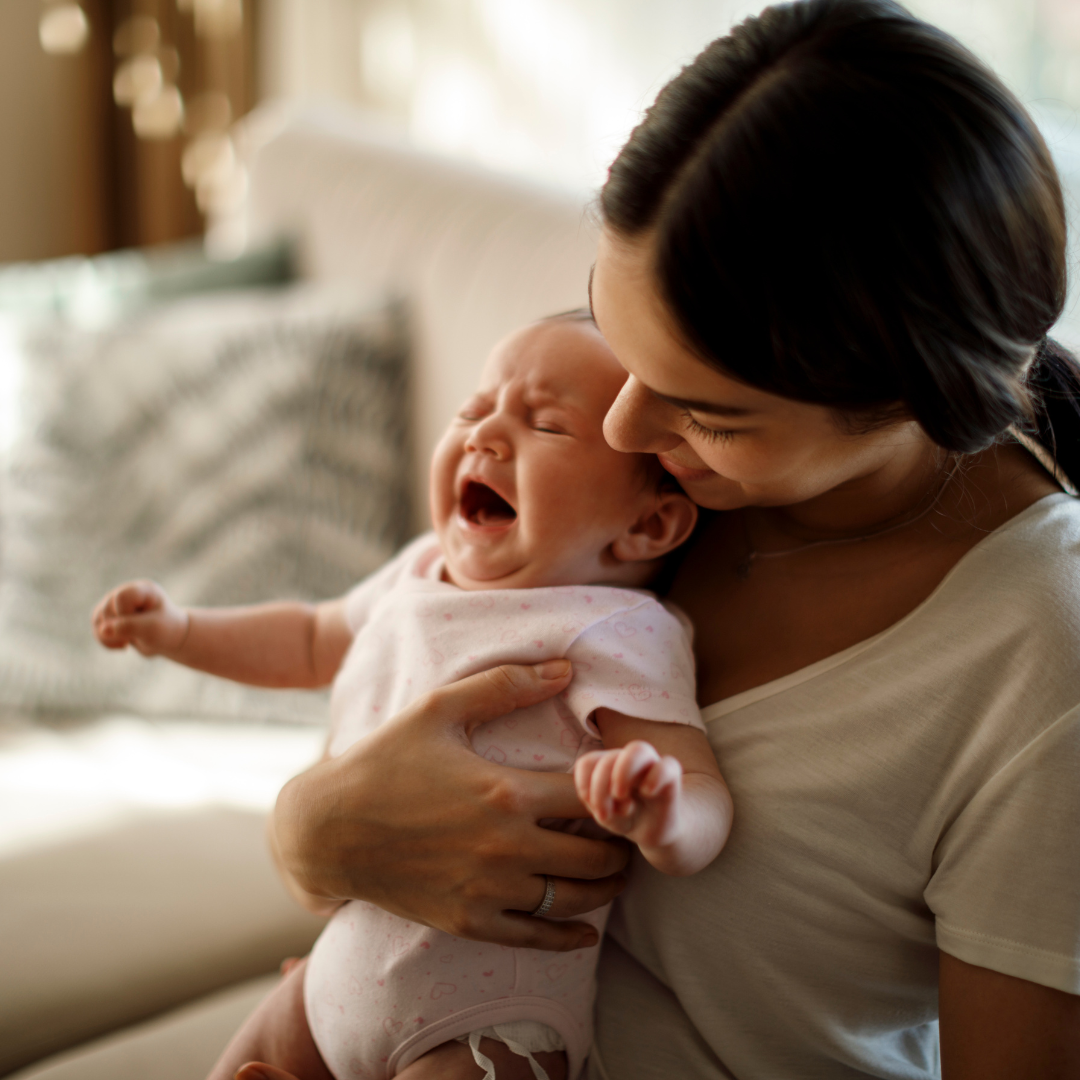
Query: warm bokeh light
x=64, y=29
x=218, y=18
x=138, y=80
x=208, y=159
x=159, y=117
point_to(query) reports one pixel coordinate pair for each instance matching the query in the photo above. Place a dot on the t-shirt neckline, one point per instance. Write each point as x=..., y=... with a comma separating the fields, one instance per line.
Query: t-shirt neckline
x=785, y=682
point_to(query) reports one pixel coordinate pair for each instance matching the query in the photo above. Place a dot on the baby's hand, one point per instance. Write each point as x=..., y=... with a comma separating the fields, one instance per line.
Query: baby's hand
x=633, y=792
x=140, y=614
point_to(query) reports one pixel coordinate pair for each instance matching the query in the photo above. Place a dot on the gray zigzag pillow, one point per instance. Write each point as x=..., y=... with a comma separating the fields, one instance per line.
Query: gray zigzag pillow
x=236, y=448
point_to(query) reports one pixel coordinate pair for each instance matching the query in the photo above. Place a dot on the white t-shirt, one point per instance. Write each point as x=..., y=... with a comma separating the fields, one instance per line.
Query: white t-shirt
x=920, y=790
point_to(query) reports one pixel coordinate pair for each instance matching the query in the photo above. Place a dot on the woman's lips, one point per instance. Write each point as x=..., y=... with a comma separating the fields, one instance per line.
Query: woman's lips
x=682, y=472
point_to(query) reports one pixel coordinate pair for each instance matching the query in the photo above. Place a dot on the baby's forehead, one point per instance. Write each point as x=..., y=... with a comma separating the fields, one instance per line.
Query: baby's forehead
x=555, y=361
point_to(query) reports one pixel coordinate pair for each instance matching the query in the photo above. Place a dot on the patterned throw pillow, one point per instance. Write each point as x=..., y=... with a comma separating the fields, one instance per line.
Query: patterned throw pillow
x=234, y=447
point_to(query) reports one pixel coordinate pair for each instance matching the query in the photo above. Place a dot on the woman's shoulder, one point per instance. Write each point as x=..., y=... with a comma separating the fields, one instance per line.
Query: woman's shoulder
x=1011, y=609
x=1034, y=555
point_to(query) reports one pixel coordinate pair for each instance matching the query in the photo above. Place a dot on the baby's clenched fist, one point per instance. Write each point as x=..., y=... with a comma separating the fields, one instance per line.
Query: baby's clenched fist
x=634, y=792
x=140, y=614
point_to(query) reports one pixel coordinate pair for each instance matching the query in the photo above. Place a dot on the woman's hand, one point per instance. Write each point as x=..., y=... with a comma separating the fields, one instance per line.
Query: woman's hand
x=410, y=818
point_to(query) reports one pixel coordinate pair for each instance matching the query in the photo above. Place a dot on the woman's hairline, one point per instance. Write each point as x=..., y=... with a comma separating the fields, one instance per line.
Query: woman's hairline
x=852, y=420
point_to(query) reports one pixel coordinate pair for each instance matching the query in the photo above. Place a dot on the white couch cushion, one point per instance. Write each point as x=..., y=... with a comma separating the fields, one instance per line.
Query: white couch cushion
x=475, y=254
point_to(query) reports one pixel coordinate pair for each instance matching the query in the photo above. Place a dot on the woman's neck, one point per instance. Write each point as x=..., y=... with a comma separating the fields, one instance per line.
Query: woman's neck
x=891, y=487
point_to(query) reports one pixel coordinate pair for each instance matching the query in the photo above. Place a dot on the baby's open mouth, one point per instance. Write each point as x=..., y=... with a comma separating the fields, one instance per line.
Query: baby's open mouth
x=483, y=506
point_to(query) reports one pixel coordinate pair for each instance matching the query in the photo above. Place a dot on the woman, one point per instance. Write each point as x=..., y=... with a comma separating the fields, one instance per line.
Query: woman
x=831, y=254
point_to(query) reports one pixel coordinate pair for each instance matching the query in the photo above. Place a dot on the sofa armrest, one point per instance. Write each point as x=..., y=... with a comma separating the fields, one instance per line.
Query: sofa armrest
x=181, y=1045
x=113, y=928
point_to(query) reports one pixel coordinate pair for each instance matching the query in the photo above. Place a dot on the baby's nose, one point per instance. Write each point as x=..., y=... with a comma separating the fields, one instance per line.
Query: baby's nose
x=486, y=438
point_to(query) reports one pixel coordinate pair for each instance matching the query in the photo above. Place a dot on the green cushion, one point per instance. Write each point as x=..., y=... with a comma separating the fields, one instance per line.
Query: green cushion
x=93, y=290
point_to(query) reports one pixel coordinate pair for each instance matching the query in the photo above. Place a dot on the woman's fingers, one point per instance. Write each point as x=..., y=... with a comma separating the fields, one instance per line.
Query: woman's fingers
x=551, y=795
x=488, y=695
x=578, y=857
x=572, y=897
x=524, y=932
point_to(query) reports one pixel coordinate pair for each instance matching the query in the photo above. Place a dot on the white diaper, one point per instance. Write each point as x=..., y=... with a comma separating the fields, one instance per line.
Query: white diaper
x=522, y=1037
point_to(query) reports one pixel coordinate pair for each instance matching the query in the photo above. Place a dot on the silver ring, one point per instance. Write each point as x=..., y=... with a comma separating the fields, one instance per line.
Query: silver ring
x=549, y=899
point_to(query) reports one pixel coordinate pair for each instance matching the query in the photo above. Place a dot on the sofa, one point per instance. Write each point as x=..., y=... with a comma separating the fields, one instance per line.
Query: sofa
x=140, y=917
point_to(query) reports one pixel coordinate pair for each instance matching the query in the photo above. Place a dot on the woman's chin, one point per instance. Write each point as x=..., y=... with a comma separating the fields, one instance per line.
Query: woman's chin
x=714, y=492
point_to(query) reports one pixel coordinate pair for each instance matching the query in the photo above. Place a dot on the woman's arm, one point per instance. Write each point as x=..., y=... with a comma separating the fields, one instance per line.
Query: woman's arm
x=277, y=645
x=411, y=819
x=997, y=1027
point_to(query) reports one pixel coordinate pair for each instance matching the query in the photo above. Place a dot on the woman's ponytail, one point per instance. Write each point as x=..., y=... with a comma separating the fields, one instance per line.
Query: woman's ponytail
x=1054, y=384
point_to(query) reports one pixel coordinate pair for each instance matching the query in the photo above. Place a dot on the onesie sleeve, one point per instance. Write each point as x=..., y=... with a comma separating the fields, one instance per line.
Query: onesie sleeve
x=638, y=662
x=1006, y=887
x=362, y=598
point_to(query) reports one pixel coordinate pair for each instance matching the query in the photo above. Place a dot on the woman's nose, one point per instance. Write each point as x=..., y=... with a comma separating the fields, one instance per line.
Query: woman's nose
x=637, y=422
x=488, y=437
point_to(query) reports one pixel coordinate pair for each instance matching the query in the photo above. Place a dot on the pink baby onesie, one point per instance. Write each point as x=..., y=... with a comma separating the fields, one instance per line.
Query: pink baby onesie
x=379, y=991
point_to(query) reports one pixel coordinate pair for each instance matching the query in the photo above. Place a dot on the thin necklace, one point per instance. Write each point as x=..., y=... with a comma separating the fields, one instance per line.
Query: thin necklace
x=746, y=564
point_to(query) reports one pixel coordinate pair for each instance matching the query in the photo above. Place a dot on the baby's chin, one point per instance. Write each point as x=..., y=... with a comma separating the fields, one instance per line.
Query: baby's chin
x=476, y=575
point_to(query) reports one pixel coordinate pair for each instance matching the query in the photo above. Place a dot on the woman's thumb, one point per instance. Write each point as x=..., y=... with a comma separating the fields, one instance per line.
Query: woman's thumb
x=498, y=691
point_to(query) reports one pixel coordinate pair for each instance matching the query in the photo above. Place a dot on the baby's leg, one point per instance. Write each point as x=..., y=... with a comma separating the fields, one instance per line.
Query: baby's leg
x=277, y=1032
x=454, y=1061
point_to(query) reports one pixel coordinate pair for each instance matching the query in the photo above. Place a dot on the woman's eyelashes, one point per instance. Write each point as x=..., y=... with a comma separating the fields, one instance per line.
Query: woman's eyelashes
x=708, y=433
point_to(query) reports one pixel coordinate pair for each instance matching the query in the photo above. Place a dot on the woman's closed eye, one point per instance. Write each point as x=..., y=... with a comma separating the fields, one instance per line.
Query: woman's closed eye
x=710, y=433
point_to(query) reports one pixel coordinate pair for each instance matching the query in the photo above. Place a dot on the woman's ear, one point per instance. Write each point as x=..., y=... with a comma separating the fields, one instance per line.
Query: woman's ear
x=661, y=528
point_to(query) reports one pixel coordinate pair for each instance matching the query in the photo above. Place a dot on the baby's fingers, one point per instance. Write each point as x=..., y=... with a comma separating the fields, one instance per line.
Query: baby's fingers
x=135, y=598
x=662, y=780
x=583, y=771
x=600, y=800
x=634, y=760
x=116, y=633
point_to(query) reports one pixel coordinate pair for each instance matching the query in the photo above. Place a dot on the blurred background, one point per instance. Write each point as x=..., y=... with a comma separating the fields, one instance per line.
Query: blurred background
x=115, y=115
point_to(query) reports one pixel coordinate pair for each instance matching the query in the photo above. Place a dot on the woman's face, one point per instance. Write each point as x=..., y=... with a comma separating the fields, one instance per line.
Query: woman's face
x=727, y=443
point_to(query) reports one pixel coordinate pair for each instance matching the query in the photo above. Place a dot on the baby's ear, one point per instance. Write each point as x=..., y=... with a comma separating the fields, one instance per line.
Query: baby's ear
x=668, y=521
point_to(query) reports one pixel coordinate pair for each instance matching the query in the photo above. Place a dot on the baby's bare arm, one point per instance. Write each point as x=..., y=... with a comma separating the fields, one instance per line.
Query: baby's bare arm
x=657, y=784
x=275, y=645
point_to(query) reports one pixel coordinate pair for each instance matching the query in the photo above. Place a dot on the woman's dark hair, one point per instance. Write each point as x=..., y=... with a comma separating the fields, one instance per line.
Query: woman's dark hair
x=849, y=209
